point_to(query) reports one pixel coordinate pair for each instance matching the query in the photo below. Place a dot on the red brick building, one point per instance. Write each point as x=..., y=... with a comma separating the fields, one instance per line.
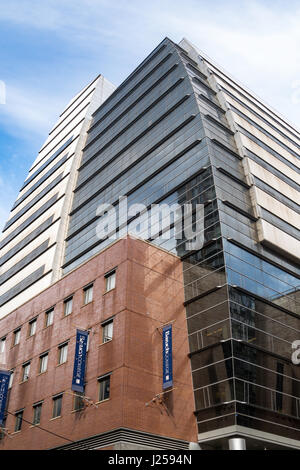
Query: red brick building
x=123, y=296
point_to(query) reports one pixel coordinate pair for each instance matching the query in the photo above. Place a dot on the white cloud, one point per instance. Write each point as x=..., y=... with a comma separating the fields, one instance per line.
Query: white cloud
x=256, y=41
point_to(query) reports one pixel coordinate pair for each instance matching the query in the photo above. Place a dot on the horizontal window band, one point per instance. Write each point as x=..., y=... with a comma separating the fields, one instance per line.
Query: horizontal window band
x=152, y=87
x=137, y=138
x=34, y=201
x=116, y=105
x=58, y=152
x=264, y=300
x=227, y=149
x=18, y=289
x=32, y=236
x=236, y=99
x=234, y=178
x=44, y=178
x=152, y=149
x=268, y=149
x=188, y=58
x=218, y=405
x=122, y=173
x=31, y=219
x=239, y=210
x=280, y=223
x=134, y=121
x=44, y=166
x=269, y=167
x=80, y=95
x=206, y=244
x=157, y=201
x=248, y=98
x=211, y=103
x=219, y=124
x=207, y=87
x=26, y=261
x=127, y=80
x=262, y=257
x=264, y=131
x=195, y=69
x=281, y=197
x=66, y=125
x=69, y=132
x=115, y=203
x=200, y=296
x=77, y=106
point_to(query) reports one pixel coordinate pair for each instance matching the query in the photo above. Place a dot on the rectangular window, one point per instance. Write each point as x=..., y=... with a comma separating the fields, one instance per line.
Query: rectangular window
x=25, y=371
x=57, y=404
x=37, y=410
x=17, y=335
x=68, y=305
x=11, y=378
x=2, y=345
x=49, y=317
x=107, y=331
x=32, y=327
x=110, y=280
x=19, y=419
x=104, y=387
x=62, y=353
x=88, y=294
x=43, y=363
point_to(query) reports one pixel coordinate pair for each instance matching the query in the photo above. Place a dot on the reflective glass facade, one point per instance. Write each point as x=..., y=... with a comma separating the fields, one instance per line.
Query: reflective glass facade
x=166, y=136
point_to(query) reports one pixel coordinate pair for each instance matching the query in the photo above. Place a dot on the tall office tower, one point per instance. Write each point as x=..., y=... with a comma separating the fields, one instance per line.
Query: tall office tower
x=180, y=130
x=31, y=246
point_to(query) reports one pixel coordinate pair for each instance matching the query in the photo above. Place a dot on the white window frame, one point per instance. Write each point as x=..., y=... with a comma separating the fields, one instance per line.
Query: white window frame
x=32, y=327
x=107, y=331
x=63, y=353
x=88, y=293
x=49, y=315
x=110, y=281
x=17, y=336
x=68, y=306
x=25, y=371
x=43, y=366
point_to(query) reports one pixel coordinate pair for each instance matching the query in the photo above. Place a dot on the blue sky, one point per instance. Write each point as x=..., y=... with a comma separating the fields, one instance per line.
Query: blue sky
x=50, y=49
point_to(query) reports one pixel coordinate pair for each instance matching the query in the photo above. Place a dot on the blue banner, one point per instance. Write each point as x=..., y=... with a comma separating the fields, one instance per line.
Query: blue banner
x=4, y=381
x=167, y=357
x=79, y=361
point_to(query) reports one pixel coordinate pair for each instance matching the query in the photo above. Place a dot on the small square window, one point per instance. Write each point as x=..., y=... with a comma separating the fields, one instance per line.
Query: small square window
x=107, y=331
x=17, y=335
x=62, y=353
x=25, y=371
x=43, y=363
x=88, y=294
x=110, y=280
x=37, y=411
x=104, y=388
x=19, y=420
x=68, y=306
x=49, y=317
x=32, y=327
x=57, y=405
